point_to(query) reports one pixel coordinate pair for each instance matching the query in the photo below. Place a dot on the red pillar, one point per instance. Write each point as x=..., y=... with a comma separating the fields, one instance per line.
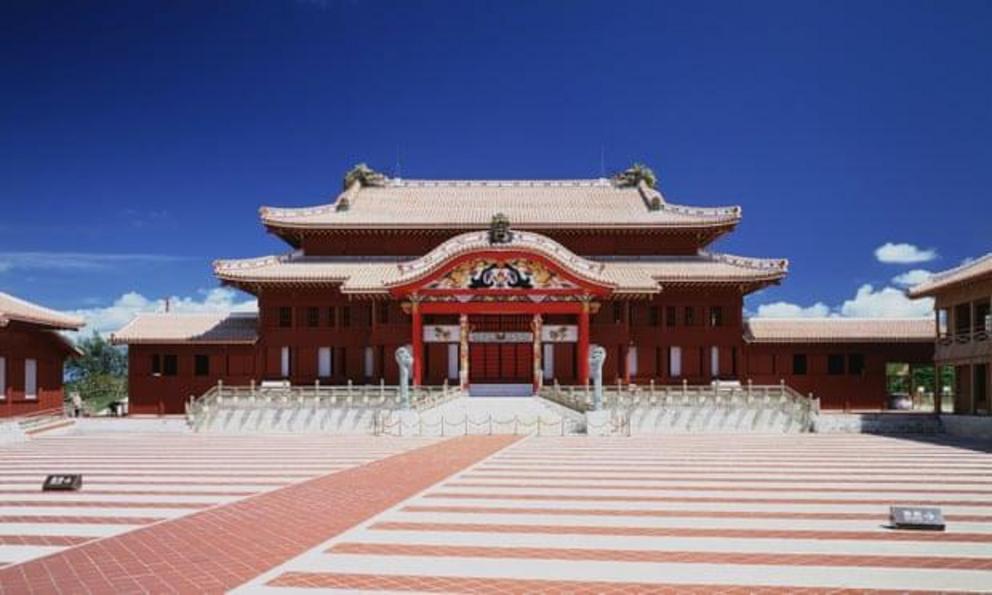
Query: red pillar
x=584, y=344
x=417, y=343
x=536, y=325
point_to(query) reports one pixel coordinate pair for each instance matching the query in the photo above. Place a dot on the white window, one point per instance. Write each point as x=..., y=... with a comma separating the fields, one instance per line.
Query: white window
x=324, y=359
x=548, y=361
x=714, y=362
x=632, y=361
x=675, y=361
x=284, y=362
x=30, y=379
x=452, y=361
x=3, y=378
x=369, y=362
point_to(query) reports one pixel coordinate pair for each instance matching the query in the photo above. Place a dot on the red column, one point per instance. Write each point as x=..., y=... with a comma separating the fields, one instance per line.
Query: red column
x=536, y=326
x=417, y=343
x=463, y=371
x=584, y=344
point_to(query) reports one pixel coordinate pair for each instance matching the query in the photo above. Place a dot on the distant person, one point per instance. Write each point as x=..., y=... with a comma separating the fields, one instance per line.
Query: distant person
x=77, y=405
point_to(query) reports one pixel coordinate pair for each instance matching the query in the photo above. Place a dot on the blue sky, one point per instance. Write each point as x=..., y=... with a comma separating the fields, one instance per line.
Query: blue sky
x=138, y=139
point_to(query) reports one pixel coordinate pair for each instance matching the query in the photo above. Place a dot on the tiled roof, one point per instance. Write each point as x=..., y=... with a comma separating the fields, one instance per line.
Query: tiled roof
x=839, y=330
x=470, y=204
x=644, y=275
x=12, y=308
x=198, y=328
x=978, y=268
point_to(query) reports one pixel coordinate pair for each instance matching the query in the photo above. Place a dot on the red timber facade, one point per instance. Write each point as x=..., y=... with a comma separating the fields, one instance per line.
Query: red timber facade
x=962, y=330
x=32, y=354
x=487, y=281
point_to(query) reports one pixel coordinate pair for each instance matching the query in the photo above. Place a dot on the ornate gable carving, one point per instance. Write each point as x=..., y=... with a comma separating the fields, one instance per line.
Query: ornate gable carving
x=499, y=274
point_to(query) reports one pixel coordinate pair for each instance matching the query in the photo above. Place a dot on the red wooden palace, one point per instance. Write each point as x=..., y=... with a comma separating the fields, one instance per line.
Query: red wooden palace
x=506, y=282
x=32, y=353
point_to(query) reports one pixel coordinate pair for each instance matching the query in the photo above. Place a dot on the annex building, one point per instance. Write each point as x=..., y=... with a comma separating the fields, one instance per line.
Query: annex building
x=32, y=355
x=963, y=326
x=508, y=282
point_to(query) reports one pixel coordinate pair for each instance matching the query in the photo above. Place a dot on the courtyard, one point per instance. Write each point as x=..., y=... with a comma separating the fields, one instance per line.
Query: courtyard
x=181, y=512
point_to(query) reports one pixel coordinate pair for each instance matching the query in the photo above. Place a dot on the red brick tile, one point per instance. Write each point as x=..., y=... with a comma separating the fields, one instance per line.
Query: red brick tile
x=607, y=555
x=220, y=548
x=684, y=532
x=486, y=586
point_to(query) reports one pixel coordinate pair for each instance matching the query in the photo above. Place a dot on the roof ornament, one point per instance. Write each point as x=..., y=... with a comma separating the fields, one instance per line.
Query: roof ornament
x=499, y=229
x=644, y=179
x=364, y=175
x=634, y=175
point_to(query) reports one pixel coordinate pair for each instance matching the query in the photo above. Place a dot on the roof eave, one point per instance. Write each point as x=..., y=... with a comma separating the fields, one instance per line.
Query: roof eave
x=274, y=225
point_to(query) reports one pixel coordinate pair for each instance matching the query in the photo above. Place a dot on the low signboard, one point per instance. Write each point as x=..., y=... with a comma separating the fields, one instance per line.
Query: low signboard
x=501, y=337
x=920, y=518
x=62, y=482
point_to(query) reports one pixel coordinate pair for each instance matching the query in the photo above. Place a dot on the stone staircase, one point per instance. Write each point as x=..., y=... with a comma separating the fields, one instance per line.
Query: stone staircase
x=528, y=415
x=311, y=409
x=42, y=422
x=718, y=408
x=443, y=411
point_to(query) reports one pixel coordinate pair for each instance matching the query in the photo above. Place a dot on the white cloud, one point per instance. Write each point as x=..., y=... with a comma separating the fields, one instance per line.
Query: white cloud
x=911, y=278
x=787, y=310
x=903, y=253
x=105, y=320
x=887, y=302
x=76, y=261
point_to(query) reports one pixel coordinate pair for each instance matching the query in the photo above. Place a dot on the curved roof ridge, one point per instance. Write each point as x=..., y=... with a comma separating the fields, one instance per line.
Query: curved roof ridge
x=961, y=273
x=15, y=308
x=537, y=203
x=234, y=264
x=479, y=240
x=781, y=264
x=483, y=182
x=941, y=275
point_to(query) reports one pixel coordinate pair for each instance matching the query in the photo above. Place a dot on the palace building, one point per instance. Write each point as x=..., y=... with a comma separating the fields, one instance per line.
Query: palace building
x=963, y=330
x=32, y=354
x=507, y=282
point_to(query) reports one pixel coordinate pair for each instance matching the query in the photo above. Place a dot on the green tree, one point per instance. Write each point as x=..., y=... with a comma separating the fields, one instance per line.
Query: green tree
x=99, y=374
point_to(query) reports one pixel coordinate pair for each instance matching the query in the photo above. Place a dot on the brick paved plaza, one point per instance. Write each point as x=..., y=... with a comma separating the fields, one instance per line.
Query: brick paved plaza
x=273, y=513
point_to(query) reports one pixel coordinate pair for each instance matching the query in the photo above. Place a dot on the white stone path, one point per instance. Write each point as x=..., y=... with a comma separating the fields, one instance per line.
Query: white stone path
x=581, y=514
x=133, y=479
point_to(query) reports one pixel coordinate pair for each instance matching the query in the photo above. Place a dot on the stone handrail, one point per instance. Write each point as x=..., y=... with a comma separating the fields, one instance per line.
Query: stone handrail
x=380, y=397
x=621, y=397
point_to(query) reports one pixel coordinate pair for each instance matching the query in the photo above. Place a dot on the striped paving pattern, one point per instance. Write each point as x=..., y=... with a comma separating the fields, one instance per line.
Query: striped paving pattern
x=132, y=480
x=783, y=513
